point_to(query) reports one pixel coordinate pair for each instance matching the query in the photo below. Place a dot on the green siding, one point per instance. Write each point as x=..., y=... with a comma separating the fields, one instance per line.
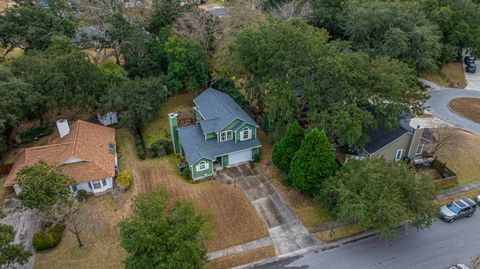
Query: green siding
x=251, y=127
x=254, y=151
x=211, y=136
x=198, y=115
x=199, y=174
x=225, y=160
x=231, y=125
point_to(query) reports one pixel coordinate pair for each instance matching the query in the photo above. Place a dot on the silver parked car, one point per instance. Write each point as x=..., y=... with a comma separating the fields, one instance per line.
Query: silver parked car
x=457, y=209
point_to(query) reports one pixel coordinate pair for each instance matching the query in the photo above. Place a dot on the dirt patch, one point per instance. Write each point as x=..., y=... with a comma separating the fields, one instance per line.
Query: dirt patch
x=242, y=258
x=461, y=156
x=466, y=107
x=450, y=76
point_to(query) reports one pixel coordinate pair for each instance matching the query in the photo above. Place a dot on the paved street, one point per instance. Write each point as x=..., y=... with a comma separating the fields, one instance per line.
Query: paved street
x=473, y=80
x=437, y=105
x=443, y=244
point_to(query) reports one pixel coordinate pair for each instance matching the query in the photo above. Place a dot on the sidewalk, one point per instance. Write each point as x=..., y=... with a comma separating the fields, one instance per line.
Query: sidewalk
x=459, y=190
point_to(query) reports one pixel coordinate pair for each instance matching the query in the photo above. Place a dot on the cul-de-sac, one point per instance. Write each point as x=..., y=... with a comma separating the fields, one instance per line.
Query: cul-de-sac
x=266, y=134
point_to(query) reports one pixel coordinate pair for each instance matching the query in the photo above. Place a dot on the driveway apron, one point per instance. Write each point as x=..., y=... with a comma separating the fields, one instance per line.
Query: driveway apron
x=287, y=232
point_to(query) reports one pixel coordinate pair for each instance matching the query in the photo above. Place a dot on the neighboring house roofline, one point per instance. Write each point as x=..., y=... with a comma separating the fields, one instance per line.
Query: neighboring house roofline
x=407, y=133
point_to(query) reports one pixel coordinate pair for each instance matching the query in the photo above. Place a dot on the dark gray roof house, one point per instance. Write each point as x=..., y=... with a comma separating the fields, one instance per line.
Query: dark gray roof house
x=223, y=135
x=403, y=142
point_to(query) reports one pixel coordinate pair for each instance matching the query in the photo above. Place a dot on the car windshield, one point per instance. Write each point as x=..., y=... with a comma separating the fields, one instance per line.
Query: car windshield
x=454, y=208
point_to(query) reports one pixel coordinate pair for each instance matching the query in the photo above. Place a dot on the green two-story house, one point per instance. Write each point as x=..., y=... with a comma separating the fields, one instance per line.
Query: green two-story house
x=223, y=135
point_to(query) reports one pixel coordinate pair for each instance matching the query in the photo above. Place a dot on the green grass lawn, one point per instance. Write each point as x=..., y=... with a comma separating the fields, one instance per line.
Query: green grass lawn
x=450, y=76
x=158, y=128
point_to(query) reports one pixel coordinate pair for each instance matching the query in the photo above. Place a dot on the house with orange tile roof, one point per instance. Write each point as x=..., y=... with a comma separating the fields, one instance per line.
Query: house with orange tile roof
x=85, y=151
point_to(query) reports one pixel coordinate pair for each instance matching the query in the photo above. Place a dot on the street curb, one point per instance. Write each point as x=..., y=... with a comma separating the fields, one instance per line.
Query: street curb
x=317, y=248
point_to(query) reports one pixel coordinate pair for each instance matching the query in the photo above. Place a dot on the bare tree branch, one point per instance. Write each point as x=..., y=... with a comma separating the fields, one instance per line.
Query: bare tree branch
x=293, y=10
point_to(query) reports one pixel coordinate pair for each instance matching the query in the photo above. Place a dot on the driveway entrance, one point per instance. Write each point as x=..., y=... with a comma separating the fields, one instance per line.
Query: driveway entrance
x=287, y=232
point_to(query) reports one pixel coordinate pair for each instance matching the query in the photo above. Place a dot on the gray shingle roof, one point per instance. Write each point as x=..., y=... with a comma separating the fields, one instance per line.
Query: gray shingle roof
x=195, y=147
x=209, y=126
x=215, y=105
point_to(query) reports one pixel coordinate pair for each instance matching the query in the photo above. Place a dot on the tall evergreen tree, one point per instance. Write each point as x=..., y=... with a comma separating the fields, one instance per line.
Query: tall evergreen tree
x=312, y=163
x=284, y=150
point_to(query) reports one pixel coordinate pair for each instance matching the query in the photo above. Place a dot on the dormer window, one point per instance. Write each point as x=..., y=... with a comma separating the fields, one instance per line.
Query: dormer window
x=226, y=135
x=246, y=134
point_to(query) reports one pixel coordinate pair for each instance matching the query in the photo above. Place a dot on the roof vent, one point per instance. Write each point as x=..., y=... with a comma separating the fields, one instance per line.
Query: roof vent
x=63, y=128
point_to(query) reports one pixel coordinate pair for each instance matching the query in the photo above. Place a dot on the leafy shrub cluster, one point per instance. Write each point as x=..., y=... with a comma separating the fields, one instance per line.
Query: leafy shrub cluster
x=82, y=194
x=159, y=148
x=48, y=238
x=186, y=173
x=139, y=146
x=124, y=180
x=35, y=133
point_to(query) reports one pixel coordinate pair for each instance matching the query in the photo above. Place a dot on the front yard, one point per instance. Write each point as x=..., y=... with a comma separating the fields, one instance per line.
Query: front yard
x=234, y=220
x=310, y=213
x=462, y=156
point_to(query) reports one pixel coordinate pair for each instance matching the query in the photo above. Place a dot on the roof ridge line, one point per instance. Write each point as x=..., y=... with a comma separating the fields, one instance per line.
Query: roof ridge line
x=233, y=114
x=48, y=146
x=76, y=136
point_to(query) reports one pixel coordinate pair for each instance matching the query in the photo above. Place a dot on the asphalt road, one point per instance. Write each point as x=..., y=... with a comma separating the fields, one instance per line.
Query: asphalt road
x=437, y=247
x=438, y=106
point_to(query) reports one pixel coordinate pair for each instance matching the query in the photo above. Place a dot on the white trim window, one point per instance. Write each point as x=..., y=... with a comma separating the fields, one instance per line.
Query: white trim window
x=226, y=135
x=245, y=134
x=97, y=184
x=419, y=149
x=202, y=166
x=398, y=154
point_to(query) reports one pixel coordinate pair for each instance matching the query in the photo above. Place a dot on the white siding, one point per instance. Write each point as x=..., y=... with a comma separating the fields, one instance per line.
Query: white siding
x=85, y=186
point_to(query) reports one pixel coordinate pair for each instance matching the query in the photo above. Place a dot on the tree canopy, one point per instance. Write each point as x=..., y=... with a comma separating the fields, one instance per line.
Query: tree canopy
x=156, y=237
x=296, y=73
x=380, y=194
x=136, y=100
x=312, y=163
x=29, y=26
x=398, y=29
x=43, y=185
x=11, y=253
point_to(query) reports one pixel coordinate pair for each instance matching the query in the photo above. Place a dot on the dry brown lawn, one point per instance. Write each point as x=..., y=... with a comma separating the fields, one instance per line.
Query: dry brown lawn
x=242, y=258
x=309, y=213
x=234, y=220
x=462, y=156
x=450, y=76
x=466, y=107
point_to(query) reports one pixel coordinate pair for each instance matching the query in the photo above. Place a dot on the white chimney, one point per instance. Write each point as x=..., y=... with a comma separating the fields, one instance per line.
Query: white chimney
x=63, y=128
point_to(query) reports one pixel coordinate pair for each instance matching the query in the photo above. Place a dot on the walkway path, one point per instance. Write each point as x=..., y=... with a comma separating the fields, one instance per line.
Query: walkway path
x=437, y=105
x=460, y=190
x=263, y=242
x=287, y=232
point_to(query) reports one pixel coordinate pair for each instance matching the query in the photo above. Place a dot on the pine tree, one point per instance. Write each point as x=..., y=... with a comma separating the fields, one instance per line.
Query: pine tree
x=312, y=163
x=284, y=149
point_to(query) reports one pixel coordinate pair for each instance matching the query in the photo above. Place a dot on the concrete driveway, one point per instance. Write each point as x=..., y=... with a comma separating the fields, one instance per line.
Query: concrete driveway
x=437, y=105
x=287, y=232
x=473, y=80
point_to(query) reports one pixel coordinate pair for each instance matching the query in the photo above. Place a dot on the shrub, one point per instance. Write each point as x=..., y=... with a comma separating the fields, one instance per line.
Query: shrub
x=286, y=180
x=48, y=238
x=124, y=180
x=82, y=194
x=186, y=173
x=140, y=152
x=158, y=147
x=256, y=158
